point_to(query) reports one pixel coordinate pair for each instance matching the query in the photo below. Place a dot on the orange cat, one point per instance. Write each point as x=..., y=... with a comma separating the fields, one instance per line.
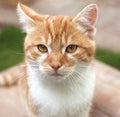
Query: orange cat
x=59, y=78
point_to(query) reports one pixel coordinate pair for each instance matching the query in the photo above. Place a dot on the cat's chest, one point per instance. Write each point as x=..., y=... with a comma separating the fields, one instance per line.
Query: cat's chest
x=58, y=103
x=55, y=105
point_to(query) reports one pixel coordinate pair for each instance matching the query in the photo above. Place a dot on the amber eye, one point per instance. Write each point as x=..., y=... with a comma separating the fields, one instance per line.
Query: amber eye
x=71, y=48
x=42, y=48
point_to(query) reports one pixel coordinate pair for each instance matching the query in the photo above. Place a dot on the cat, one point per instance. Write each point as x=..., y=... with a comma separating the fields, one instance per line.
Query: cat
x=58, y=76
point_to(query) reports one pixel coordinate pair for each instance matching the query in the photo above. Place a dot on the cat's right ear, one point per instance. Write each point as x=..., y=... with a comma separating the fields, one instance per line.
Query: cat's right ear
x=87, y=19
x=26, y=17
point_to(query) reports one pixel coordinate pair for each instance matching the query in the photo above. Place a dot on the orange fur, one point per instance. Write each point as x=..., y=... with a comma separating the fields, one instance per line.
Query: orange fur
x=56, y=32
x=12, y=75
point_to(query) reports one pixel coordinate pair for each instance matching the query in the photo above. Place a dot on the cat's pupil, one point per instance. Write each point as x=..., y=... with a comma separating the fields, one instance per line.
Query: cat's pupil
x=42, y=48
x=71, y=48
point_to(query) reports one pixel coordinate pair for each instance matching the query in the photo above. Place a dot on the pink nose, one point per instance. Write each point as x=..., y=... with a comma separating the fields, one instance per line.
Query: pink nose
x=55, y=65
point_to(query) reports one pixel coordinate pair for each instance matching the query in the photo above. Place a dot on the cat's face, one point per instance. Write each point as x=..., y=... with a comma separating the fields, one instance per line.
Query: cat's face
x=55, y=45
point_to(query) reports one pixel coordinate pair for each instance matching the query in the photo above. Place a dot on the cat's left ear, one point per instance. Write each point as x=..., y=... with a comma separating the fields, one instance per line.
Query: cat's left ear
x=86, y=20
x=26, y=17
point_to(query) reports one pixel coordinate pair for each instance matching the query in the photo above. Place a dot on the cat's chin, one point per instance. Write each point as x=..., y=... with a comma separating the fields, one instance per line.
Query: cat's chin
x=56, y=75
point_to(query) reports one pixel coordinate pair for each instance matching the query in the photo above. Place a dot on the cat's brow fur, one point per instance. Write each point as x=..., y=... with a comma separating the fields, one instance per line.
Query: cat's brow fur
x=58, y=31
x=56, y=83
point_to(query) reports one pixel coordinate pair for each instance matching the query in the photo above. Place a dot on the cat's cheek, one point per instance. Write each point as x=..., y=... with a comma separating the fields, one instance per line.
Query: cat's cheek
x=66, y=72
x=40, y=61
x=72, y=58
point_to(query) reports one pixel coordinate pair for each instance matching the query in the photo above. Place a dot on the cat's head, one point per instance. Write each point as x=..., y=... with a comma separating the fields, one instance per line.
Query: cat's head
x=55, y=45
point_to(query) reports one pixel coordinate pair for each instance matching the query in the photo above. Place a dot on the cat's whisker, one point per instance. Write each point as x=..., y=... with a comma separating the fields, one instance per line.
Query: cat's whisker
x=80, y=76
x=33, y=61
x=83, y=78
x=74, y=82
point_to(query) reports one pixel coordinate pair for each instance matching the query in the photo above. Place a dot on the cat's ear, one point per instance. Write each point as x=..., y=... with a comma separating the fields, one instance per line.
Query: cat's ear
x=26, y=17
x=86, y=20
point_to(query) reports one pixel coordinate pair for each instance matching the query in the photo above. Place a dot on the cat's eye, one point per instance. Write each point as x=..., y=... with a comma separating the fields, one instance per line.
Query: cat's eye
x=42, y=48
x=71, y=48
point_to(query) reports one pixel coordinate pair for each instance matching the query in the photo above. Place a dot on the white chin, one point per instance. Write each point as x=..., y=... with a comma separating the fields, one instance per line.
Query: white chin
x=55, y=76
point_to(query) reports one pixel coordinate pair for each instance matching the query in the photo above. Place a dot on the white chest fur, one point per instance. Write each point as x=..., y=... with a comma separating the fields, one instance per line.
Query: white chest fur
x=61, y=99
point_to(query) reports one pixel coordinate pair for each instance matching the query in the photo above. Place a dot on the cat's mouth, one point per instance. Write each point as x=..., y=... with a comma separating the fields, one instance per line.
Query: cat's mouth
x=56, y=74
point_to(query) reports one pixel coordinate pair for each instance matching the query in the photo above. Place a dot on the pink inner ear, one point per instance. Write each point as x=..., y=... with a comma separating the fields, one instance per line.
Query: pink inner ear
x=89, y=13
x=87, y=19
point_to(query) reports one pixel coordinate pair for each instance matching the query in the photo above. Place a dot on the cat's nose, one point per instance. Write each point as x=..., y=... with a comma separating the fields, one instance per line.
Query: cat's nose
x=55, y=65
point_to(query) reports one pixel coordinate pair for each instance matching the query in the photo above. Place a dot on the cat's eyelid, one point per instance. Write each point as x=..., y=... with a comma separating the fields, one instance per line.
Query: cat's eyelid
x=72, y=44
x=38, y=43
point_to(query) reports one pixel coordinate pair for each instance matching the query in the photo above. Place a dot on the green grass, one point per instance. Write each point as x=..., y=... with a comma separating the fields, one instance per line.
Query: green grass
x=109, y=57
x=11, y=46
x=11, y=49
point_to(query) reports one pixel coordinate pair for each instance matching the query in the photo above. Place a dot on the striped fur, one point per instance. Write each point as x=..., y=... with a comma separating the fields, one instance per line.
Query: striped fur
x=12, y=75
x=57, y=79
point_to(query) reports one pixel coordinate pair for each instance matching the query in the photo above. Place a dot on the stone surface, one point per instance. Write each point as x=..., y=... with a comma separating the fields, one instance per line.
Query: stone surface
x=106, y=101
x=107, y=93
x=10, y=103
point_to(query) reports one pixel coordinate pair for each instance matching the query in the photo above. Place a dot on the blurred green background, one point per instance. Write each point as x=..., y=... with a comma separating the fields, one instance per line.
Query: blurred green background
x=11, y=46
x=11, y=49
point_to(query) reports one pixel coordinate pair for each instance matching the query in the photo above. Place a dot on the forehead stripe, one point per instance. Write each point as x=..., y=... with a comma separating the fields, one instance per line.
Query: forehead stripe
x=63, y=25
x=51, y=26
